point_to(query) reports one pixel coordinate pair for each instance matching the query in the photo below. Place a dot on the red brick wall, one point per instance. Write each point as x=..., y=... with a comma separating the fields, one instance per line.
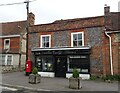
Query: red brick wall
x=14, y=44
x=115, y=52
x=115, y=55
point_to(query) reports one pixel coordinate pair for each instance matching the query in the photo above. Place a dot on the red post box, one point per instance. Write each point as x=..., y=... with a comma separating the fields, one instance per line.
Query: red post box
x=28, y=67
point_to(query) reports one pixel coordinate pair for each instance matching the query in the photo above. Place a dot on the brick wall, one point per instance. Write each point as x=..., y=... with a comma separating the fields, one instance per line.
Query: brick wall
x=33, y=41
x=14, y=44
x=94, y=39
x=115, y=54
x=115, y=51
x=61, y=38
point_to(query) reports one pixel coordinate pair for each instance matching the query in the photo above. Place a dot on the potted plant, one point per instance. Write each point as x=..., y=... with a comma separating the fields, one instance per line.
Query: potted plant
x=34, y=77
x=75, y=80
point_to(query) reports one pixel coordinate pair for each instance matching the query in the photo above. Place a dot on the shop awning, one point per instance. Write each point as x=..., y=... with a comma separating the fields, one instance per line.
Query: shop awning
x=62, y=50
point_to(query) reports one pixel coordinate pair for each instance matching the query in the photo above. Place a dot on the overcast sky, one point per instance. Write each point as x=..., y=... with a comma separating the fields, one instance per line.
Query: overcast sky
x=47, y=11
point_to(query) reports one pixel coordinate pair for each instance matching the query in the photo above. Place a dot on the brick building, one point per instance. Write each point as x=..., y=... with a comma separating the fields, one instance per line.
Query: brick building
x=12, y=38
x=89, y=44
x=13, y=44
x=92, y=45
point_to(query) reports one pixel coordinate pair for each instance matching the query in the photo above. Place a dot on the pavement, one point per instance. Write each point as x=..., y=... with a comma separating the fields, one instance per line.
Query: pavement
x=19, y=81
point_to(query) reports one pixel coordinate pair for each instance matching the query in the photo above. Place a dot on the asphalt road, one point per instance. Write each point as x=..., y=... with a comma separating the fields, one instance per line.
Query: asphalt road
x=30, y=91
x=6, y=89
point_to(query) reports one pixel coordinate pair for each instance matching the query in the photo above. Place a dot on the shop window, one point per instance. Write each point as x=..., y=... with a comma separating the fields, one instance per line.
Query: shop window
x=44, y=63
x=39, y=63
x=81, y=63
x=6, y=43
x=77, y=39
x=47, y=63
x=45, y=41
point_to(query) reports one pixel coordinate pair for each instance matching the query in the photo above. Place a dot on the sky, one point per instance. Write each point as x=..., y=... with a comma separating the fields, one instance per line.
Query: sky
x=47, y=11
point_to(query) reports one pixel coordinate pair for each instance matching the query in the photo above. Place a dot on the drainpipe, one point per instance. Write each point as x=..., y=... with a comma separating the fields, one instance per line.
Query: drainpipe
x=110, y=42
x=20, y=47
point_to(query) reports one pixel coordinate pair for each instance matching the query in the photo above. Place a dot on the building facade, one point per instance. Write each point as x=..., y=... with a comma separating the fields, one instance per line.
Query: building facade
x=12, y=45
x=91, y=45
x=83, y=43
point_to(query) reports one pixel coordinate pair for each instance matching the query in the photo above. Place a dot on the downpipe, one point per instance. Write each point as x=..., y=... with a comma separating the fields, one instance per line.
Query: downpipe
x=111, y=61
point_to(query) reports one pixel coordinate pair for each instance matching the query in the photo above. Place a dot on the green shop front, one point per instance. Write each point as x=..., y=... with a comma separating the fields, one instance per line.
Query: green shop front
x=60, y=62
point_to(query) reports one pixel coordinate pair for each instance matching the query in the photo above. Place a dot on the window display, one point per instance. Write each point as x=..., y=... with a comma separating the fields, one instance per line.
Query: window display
x=44, y=63
x=39, y=64
x=47, y=63
x=78, y=62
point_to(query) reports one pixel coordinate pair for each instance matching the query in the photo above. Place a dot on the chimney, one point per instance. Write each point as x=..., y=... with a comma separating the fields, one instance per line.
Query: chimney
x=107, y=17
x=31, y=19
x=106, y=9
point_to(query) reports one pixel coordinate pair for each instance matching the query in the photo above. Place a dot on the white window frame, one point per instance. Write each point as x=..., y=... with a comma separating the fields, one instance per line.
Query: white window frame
x=1, y=60
x=77, y=33
x=6, y=62
x=6, y=59
x=5, y=43
x=41, y=37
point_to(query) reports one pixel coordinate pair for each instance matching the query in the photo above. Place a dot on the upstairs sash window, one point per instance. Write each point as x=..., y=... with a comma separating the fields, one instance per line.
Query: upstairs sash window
x=45, y=41
x=77, y=39
x=7, y=44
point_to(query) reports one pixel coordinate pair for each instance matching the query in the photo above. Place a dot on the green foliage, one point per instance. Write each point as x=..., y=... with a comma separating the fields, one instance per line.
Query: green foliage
x=117, y=77
x=93, y=78
x=112, y=77
x=107, y=77
x=35, y=70
x=75, y=73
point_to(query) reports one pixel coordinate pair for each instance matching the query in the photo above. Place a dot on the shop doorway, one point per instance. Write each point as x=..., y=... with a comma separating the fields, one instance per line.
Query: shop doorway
x=60, y=66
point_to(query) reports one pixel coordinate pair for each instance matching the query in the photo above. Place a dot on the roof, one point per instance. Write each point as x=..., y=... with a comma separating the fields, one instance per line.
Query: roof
x=114, y=21
x=70, y=24
x=13, y=28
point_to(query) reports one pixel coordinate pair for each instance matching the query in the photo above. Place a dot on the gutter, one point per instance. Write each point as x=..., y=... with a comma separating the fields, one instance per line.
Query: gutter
x=110, y=32
x=111, y=61
x=9, y=36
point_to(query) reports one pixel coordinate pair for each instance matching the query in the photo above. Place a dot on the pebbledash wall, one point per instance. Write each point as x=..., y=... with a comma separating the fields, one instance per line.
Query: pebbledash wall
x=94, y=39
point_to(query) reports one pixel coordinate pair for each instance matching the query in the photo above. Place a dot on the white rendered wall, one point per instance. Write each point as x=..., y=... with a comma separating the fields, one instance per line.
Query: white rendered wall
x=15, y=60
x=47, y=74
x=68, y=75
x=83, y=76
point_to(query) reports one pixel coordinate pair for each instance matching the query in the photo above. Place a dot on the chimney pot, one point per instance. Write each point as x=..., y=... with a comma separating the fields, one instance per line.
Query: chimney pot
x=106, y=9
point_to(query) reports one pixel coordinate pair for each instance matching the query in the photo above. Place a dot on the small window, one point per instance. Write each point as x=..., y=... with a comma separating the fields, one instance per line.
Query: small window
x=77, y=39
x=45, y=41
x=2, y=59
x=6, y=59
x=6, y=43
x=9, y=60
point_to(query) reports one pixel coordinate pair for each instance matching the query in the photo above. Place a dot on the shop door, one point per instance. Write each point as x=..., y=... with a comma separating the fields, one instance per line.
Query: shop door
x=60, y=67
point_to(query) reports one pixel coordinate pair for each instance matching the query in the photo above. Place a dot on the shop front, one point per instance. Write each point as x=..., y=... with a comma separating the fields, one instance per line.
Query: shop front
x=60, y=62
